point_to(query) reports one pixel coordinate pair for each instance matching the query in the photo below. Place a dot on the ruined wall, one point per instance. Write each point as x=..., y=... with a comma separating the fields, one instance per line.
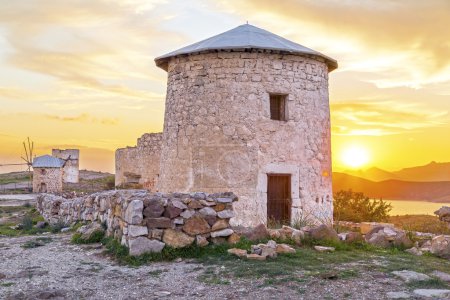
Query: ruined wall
x=47, y=180
x=218, y=134
x=72, y=165
x=146, y=221
x=142, y=160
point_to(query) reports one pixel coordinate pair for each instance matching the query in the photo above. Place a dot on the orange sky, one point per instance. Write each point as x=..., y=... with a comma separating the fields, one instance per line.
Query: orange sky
x=81, y=74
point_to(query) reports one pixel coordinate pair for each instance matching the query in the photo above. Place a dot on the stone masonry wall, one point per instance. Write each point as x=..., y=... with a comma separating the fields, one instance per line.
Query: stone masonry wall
x=146, y=222
x=72, y=165
x=142, y=160
x=48, y=180
x=218, y=134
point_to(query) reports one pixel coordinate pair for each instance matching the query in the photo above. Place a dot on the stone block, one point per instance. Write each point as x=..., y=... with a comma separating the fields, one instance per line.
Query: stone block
x=158, y=223
x=133, y=213
x=141, y=245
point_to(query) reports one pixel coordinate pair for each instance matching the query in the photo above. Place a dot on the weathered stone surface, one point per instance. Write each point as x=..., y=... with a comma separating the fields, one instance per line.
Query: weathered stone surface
x=143, y=245
x=133, y=214
x=178, y=221
x=225, y=200
x=179, y=204
x=154, y=209
x=398, y=295
x=158, y=223
x=366, y=227
x=195, y=204
x=220, y=224
x=134, y=230
x=177, y=239
x=414, y=251
x=156, y=234
x=409, y=276
x=324, y=249
x=388, y=236
x=225, y=214
x=211, y=220
x=237, y=252
x=207, y=211
x=433, y=293
x=440, y=246
x=88, y=231
x=350, y=237
x=257, y=233
x=222, y=233
x=233, y=239
x=283, y=248
x=172, y=211
x=201, y=241
x=441, y=275
x=196, y=225
x=220, y=207
x=187, y=214
x=324, y=232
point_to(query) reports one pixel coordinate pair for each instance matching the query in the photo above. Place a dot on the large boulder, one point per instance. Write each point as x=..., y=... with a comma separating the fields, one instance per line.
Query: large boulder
x=386, y=236
x=444, y=214
x=143, y=245
x=177, y=239
x=440, y=246
x=323, y=232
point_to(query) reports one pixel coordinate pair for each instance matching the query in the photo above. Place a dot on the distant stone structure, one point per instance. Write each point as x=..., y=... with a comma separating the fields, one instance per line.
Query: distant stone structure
x=246, y=111
x=72, y=163
x=47, y=174
x=140, y=164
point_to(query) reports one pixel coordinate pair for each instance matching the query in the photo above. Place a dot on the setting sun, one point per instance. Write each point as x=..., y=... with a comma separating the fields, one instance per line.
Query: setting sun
x=355, y=156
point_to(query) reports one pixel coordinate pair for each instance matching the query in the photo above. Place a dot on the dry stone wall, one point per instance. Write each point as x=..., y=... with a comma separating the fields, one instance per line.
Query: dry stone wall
x=218, y=134
x=146, y=222
x=140, y=164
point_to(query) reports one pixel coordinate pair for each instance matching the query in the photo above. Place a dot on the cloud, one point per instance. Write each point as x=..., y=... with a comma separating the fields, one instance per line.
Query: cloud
x=404, y=41
x=83, y=118
x=383, y=118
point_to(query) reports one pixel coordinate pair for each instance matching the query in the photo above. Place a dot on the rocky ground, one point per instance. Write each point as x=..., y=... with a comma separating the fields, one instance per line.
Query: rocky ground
x=61, y=270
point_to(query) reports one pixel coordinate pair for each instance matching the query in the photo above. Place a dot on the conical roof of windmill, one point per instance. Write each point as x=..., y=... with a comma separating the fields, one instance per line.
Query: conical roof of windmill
x=245, y=37
x=47, y=161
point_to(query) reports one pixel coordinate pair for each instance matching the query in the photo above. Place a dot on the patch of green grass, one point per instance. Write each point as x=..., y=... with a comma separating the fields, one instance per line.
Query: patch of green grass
x=7, y=284
x=38, y=242
x=433, y=283
x=157, y=273
x=95, y=237
x=421, y=223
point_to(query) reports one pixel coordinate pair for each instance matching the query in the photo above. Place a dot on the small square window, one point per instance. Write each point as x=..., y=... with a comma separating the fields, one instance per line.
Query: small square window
x=278, y=107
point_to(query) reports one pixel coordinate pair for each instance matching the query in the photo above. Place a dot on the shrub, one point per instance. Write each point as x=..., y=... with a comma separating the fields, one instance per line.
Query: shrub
x=27, y=223
x=356, y=207
x=95, y=237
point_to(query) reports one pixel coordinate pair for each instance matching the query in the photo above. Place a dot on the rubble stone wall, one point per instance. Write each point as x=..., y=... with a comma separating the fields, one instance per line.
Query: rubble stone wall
x=218, y=134
x=72, y=165
x=146, y=221
x=47, y=180
x=142, y=160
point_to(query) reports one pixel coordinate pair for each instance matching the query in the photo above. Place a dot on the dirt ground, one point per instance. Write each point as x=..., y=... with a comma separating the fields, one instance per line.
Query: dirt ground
x=61, y=270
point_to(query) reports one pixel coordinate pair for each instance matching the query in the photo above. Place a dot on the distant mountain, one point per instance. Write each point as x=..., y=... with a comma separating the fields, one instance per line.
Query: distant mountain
x=432, y=172
x=428, y=173
x=374, y=174
x=394, y=189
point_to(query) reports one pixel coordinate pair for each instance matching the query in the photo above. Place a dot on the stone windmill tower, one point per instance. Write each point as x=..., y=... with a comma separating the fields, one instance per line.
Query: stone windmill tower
x=248, y=111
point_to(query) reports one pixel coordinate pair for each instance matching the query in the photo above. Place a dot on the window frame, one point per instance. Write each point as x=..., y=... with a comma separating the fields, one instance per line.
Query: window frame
x=282, y=106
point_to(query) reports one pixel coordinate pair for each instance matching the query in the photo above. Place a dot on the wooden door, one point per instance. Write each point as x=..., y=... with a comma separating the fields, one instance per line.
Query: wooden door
x=279, y=198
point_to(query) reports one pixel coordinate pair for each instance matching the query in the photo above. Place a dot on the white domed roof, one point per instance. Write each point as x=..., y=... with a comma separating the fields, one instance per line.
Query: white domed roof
x=245, y=37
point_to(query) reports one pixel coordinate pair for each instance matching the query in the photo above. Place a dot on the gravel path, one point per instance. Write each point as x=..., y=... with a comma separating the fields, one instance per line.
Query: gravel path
x=60, y=270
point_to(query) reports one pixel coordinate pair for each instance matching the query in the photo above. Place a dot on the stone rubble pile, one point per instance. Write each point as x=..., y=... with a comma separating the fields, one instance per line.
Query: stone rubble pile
x=262, y=251
x=147, y=222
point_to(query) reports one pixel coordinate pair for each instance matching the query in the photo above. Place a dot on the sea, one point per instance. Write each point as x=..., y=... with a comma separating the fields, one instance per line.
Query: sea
x=414, y=207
